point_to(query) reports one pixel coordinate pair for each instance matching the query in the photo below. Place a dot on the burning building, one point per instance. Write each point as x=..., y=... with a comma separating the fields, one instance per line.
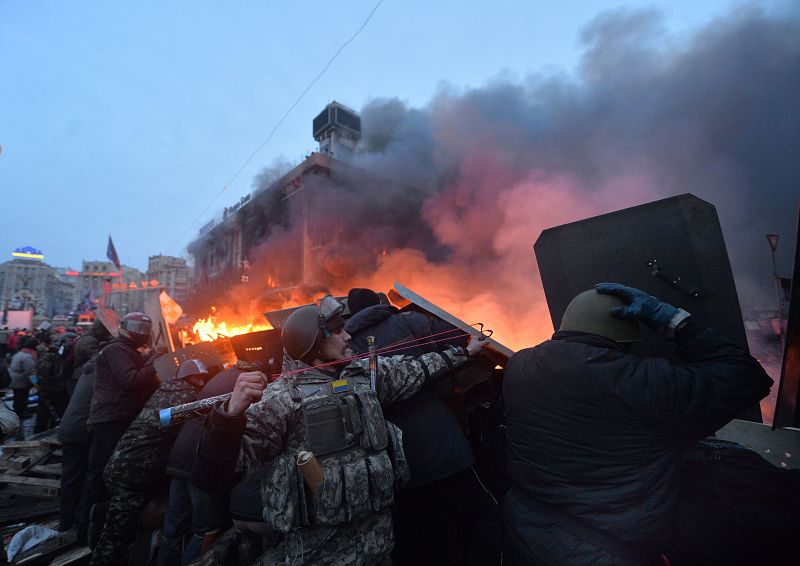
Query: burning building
x=316, y=228
x=448, y=198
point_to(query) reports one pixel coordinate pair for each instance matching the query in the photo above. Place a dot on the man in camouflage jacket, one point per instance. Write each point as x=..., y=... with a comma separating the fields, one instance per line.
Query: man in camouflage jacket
x=347, y=520
x=140, y=460
x=51, y=387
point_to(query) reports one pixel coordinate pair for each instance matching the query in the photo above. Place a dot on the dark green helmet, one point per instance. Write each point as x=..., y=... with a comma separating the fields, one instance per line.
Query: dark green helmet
x=305, y=325
x=590, y=312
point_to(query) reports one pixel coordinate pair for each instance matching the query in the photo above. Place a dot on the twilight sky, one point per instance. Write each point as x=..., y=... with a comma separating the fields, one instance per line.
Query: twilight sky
x=129, y=118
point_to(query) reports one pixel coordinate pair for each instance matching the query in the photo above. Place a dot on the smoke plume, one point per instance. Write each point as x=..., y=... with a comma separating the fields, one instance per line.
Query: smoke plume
x=465, y=185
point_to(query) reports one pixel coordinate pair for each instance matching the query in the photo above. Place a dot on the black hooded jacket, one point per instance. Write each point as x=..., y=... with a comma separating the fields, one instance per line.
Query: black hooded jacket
x=434, y=443
x=124, y=382
x=598, y=433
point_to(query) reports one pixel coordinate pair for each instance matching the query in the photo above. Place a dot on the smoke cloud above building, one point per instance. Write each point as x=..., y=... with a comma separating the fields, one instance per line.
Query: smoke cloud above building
x=478, y=173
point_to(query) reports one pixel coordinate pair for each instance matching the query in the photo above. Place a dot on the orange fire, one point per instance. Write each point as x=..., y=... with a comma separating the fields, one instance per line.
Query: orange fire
x=209, y=329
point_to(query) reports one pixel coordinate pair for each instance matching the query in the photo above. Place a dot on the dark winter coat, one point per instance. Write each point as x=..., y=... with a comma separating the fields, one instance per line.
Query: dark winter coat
x=181, y=458
x=125, y=380
x=50, y=383
x=73, y=424
x=435, y=444
x=84, y=349
x=598, y=433
x=389, y=326
x=141, y=454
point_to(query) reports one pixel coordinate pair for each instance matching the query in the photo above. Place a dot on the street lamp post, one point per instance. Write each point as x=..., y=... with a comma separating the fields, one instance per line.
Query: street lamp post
x=773, y=244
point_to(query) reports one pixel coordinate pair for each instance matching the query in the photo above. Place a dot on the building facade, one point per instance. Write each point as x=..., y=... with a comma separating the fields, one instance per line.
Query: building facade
x=97, y=277
x=31, y=284
x=172, y=273
x=323, y=224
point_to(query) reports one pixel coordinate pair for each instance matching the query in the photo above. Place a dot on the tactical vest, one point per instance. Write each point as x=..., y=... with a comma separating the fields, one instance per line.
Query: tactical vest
x=360, y=454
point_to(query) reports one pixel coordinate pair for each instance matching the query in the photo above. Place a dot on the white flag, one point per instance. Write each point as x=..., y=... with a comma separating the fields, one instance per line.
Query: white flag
x=171, y=310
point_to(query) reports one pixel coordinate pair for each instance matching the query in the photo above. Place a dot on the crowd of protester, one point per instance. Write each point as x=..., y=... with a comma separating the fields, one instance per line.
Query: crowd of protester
x=335, y=455
x=32, y=366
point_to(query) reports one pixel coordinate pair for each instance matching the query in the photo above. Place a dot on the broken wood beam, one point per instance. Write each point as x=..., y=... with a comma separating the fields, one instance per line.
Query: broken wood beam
x=50, y=470
x=26, y=510
x=38, y=487
x=17, y=464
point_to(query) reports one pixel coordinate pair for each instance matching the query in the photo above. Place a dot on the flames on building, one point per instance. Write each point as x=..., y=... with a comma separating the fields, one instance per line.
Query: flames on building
x=448, y=199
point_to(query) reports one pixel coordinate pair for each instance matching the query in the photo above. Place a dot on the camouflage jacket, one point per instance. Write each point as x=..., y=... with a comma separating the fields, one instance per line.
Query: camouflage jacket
x=274, y=424
x=332, y=525
x=47, y=370
x=143, y=450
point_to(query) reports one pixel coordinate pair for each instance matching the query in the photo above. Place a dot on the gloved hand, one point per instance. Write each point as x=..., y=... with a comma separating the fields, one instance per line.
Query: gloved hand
x=651, y=311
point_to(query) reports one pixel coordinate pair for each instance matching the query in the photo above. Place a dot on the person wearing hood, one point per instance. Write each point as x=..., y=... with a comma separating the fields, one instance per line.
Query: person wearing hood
x=443, y=479
x=23, y=371
x=84, y=349
x=74, y=437
x=322, y=422
x=126, y=378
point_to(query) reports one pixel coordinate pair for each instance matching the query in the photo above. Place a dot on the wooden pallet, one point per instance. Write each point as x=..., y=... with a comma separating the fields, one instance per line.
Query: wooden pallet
x=22, y=485
x=78, y=555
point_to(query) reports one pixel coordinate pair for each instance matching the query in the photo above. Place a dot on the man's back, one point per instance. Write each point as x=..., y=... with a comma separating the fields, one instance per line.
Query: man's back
x=598, y=433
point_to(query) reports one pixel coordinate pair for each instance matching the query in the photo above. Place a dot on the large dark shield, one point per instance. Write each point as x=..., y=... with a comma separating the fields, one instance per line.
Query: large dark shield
x=671, y=248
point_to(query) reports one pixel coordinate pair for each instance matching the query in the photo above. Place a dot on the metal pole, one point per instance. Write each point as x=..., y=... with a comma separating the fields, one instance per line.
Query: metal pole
x=776, y=281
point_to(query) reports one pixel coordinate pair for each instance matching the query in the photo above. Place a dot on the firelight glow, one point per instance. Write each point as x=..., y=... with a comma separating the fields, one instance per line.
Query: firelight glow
x=209, y=329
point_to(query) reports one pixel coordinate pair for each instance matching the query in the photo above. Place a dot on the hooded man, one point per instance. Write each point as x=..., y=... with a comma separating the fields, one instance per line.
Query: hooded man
x=443, y=480
x=125, y=380
x=84, y=348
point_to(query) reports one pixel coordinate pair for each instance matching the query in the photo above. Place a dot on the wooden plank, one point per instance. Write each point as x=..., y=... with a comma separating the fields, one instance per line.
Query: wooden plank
x=16, y=464
x=74, y=556
x=403, y=296
x=24, y=445
x=39, y=487
x=26, y=510
x=53, y=470
x=33, y=449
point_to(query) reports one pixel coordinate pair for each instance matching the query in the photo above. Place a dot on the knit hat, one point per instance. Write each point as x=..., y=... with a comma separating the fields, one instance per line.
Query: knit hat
x=358, y=299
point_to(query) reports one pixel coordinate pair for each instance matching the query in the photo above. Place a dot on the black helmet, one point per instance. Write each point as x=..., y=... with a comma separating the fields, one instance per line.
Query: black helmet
x=305, y=325
x=590, y=312
x=136, y=327
x=99, y=329
x=191, y=367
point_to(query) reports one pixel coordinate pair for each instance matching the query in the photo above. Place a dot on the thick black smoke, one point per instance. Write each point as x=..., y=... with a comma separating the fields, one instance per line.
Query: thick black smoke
x=717, y=115
x=463, y=187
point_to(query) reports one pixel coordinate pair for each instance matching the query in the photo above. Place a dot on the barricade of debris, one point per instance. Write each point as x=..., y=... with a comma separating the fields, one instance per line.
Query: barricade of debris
x=30, y=501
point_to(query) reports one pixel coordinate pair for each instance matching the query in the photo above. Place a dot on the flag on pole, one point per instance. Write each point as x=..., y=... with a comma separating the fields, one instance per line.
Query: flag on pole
x=170, y=309
x=111, y=253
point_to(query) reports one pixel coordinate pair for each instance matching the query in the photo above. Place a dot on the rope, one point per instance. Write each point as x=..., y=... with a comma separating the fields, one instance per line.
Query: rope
x=387, y=349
